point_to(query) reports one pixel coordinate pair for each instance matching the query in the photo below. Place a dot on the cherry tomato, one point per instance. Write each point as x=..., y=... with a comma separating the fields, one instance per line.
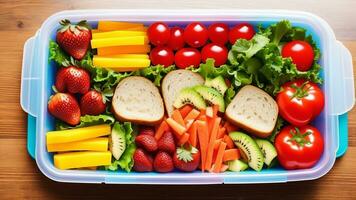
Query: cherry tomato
x=299, y=148
x=244, y=31
x=162, y=56
x=215, y=51
x=219, y=33
x=158, y=33
x=187, y=57
x=300, y=102
x=176, y=41
x=301, y=53
x=195, y=34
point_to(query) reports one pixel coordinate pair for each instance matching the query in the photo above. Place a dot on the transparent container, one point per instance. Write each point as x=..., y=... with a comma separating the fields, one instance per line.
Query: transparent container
x=338, y=87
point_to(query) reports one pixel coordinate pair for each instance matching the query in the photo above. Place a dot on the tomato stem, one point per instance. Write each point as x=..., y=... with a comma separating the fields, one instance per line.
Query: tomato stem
x=301, y=91
x=298, y=137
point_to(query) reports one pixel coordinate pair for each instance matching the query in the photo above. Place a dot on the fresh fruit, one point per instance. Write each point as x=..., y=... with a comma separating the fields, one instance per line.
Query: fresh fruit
x=176, y=41
x=162, y=56
x=92, y=103
x=163, y=162
x=146, y=130
x=301, y=53
x=216, y=51
x=299, y=148
x=218, y=83
x=249, y=148
x=64, y=107
x=189, y=96
x=300, y=102
x=187, y=57
x=166, y=143
x=73, y=80
x=241, y=31
x=158, y=33
x=186, y=159
x=219, y=33
x=74, y=39
x=212, y=96
x=117, y=141
x=147, y=142
x=195, y=34
x=268, y=150
x=142, y=161
x=237, y=166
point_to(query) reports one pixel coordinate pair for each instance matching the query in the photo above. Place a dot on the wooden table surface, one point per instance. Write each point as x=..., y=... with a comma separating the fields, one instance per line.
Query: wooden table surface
x=19, y=176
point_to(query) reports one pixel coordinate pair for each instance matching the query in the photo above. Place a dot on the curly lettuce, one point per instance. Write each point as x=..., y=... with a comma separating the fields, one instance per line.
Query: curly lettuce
x=155, y=73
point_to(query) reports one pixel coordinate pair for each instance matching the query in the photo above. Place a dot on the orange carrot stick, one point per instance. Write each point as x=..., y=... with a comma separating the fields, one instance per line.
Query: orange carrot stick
x=176, y=127
x=163, y=127
x=231, y=154
x=221, y=132
x=224, y=167
x=230, y=144
x=192, y=115
x=217, y=144
x=183, y=139
x=185, y=110
x=219, y=157
x=176, y=116
x=214, y=133
x=193, y=135
x=203, y=141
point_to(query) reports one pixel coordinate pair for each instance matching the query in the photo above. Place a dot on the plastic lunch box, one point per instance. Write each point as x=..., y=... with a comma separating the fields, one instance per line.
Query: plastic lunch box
x=338, y=86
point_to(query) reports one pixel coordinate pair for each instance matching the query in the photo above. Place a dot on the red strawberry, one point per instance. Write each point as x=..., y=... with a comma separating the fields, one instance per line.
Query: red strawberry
x=64, y=107
x=146, y=130
x=163, y=162
x=92, y=103
x=74, y=39
x=142, y=161
x=147, y=142
x=166, y=143
x=186, y=159
x=72, y=79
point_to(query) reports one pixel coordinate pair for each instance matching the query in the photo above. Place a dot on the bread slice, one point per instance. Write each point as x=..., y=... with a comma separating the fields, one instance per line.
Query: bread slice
x=174, y=82
x=137, y=99
x=254, y=110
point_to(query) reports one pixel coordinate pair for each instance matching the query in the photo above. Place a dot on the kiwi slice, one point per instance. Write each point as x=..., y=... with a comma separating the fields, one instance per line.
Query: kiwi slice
x=250, y=148
x=268, y=150
x=218, y=83
x=237, y=165
x=189, y=96
x=212, y=96
x=117, y=141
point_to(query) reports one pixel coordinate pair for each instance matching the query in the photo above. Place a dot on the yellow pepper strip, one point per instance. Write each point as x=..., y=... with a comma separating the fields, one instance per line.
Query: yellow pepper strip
x=82, y=159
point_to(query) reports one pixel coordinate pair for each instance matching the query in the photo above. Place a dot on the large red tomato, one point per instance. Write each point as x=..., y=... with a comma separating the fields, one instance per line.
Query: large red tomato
x=300, y=102
x=299, y=148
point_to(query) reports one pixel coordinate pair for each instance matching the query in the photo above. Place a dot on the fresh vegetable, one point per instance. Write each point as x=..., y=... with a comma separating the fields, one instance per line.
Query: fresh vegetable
x=166, y=143
x=87, y=120
x=176, y=41
x=121, y=64
x=241, y=31
x=193, y=135
x=216, y=51
x=118, y=41
x=64, y=107
x=195, y=34
x=231, y=154
x=73, y=80
x=213, y=136
x=158, y=34
x=176, y=127
x=300, y=102
x=183, y=139
x=73, y=160
x=92, y=103
x=186, y=57
x=96, y=144
x=299, y=148
x=186, y=159
x=78, y=134
x=107, y=51
x=163, y=162
x=219, y=157
x=162, y=56
x=121, y=33
x=219, y=33
x=300, y=52
x=203, y=136
x=185, y=110
x=74, y=39
x=142, y=161
x=155, y=73
x=162, y=128
x=176, y=116
x=147, y=142
x=112, y=26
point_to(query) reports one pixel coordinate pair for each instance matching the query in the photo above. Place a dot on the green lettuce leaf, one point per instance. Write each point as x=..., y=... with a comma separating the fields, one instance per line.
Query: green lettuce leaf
x=87, y=120
x=208, y=69
x=126, y=160
x=277, y=129
x=155, y=73
x=229, y=95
